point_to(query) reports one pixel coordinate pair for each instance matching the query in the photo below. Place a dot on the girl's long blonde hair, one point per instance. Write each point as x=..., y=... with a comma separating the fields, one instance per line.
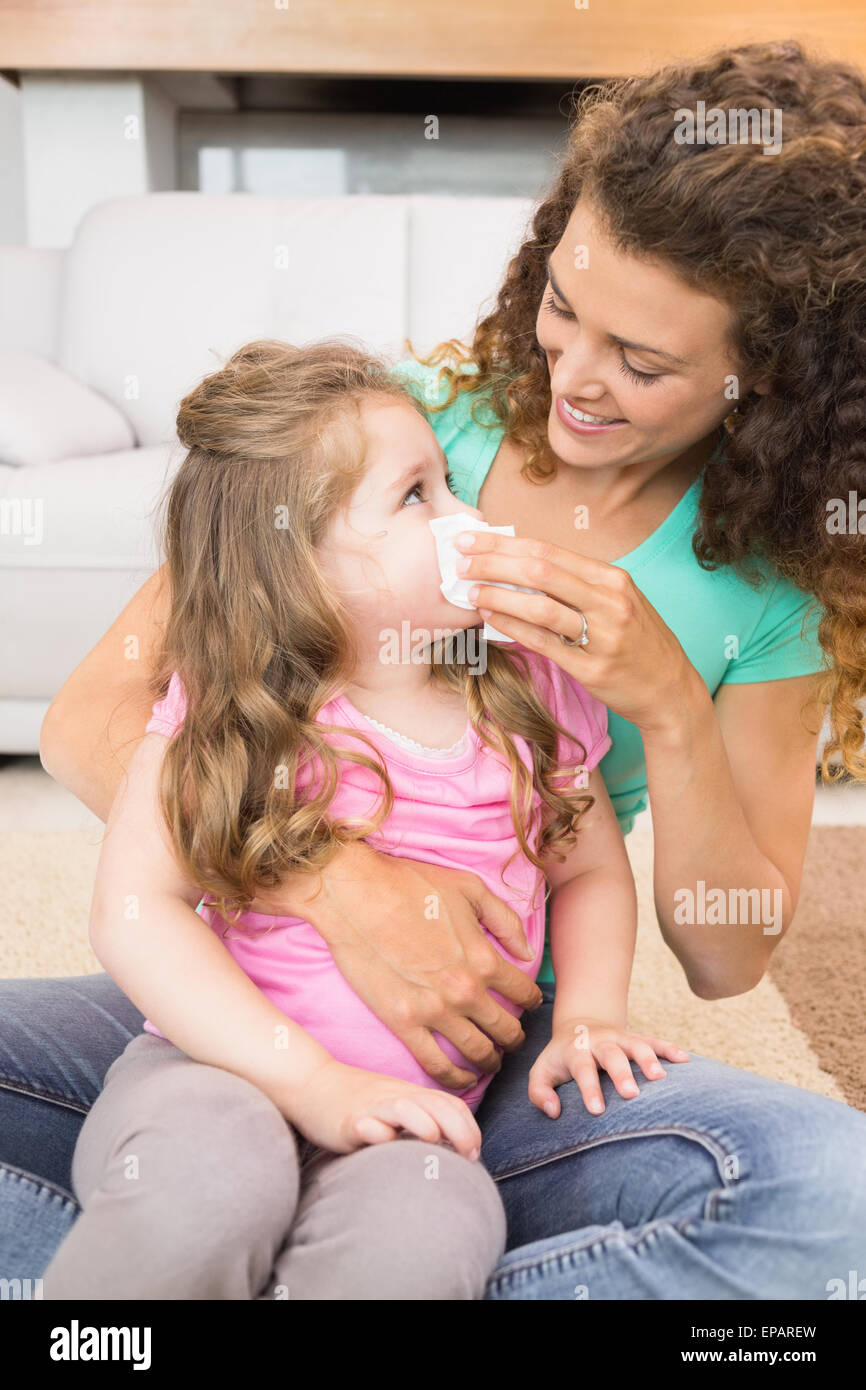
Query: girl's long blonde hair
x=275, y=448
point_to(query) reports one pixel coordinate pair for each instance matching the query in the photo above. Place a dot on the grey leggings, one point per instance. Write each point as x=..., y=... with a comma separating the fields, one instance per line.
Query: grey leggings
x=193, y=1185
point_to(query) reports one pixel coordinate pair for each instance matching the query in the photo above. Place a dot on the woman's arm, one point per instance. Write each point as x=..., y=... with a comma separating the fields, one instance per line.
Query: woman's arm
x=731, y=784
x=418, y=975
x=740, y=773
x=97, y=718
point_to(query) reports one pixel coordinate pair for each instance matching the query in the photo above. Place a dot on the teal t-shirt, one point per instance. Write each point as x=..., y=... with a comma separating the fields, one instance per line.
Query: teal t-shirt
x=731, y=632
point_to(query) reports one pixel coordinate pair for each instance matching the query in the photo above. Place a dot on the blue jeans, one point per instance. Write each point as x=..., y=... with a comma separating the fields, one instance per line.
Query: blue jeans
x=711, y=1184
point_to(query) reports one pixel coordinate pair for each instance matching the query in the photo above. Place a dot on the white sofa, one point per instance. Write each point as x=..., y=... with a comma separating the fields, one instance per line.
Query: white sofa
x=99, y=342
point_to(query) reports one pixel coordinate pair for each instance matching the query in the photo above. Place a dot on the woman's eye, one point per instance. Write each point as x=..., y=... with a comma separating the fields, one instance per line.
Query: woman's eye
x=554, y=308
x=641, y=378
x=452, y=483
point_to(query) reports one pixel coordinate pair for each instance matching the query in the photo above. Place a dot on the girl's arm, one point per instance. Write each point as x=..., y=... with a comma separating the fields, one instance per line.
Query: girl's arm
x=420, y=976
x=164, y=956
x=593, y=926
x=593, y=917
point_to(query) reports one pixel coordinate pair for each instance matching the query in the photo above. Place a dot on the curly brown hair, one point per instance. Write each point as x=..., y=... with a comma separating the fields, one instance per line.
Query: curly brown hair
x=782, y=241
x=261, y=641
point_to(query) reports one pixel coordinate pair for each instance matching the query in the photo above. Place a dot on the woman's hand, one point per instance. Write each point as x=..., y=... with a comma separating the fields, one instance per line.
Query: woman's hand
x=341, y=1108
x=632, y=662
x=575, y=1048
x=406, y=935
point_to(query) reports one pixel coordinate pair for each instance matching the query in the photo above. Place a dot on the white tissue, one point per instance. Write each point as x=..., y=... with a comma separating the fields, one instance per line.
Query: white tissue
x=454, y=588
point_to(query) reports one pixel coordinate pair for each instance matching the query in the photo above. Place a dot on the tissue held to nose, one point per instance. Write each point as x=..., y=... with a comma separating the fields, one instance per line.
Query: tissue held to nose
x=445, y=529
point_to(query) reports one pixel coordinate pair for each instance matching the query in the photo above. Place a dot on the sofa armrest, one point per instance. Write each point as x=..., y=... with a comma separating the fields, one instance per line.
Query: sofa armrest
x=30, y=284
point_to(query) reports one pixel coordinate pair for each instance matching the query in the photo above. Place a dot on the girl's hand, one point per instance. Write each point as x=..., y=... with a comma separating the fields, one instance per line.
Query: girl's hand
x=575, y=1048
x=632, y=661
x=341, y=1108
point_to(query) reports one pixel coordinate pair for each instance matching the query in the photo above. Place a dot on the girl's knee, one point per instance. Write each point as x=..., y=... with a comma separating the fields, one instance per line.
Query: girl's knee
x=196, y=1129
x=403, y=1220
x=452, y=1209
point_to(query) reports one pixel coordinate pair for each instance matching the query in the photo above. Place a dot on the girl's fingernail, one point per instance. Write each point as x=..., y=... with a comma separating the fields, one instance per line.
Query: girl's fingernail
x=596, y=1106
x=463, y=564
x=485, y=612
x=474, y=1155
x=465, y=539
x=550, y=1109
x=474, y=591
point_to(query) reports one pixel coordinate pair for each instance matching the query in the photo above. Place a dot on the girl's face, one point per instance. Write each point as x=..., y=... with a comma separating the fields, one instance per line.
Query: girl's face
x=633, y=348
x=380, y=553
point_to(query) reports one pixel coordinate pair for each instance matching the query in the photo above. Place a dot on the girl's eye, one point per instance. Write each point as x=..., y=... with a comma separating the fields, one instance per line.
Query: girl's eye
x=417, y=490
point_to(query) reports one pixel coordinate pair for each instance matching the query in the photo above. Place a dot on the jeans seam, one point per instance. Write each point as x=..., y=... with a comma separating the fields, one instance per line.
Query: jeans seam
x=563, y=1254
x=7, y=1084
x=678, y=1131
x=9, y=1171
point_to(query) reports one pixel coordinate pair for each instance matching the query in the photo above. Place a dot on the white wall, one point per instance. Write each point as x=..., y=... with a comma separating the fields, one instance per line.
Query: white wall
x=88, y=137
x=13, y=208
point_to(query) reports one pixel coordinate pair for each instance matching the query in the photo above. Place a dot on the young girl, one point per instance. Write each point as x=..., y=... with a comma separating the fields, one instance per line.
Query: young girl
x=298, y=544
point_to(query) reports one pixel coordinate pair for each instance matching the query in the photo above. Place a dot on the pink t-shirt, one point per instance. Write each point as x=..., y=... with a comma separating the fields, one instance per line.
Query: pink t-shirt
x=451, y=810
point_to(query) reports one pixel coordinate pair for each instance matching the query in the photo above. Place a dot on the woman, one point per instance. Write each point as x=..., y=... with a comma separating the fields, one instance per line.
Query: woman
x=676, y=352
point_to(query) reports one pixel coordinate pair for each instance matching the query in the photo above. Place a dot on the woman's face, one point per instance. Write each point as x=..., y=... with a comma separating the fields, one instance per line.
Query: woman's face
x=632, y=347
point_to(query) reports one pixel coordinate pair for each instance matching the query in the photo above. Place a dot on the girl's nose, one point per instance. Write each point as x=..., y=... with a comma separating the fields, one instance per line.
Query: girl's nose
x=458, y=506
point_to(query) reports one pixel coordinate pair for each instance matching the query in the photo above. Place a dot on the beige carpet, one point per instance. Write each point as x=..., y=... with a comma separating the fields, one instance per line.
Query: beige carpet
x=803, y=1024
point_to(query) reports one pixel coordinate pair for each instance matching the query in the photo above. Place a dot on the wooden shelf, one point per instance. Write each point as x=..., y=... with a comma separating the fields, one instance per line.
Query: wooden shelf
x=411, y=38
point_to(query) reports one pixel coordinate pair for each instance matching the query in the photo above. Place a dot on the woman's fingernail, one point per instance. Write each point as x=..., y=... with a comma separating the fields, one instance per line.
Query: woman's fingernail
x=474, y=592
x=596, y=1106
x=465, y=539
x=475, y=1155
x=550, y=1108
x=463, y=565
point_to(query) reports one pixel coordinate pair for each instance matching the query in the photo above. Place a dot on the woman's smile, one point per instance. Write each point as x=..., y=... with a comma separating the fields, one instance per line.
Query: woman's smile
x=581, y=422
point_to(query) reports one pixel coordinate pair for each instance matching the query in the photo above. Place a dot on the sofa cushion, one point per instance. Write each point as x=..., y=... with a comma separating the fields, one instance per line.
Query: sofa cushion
x=183, y=279
x=46, y=415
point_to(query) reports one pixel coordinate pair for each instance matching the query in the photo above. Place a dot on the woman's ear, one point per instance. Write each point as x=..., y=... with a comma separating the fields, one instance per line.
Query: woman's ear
x=762, y=387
